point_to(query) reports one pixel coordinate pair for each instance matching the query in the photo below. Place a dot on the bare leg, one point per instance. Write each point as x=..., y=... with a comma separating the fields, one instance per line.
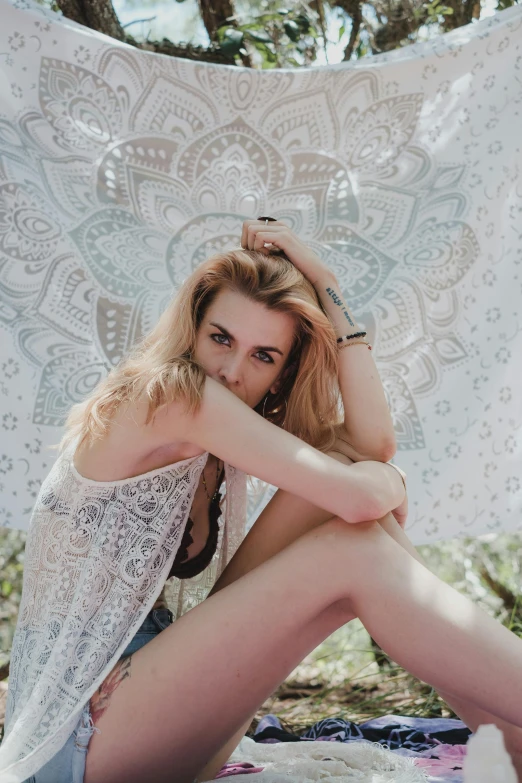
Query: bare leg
x=194, y=685
x=269, y=536
x=450, y=644
x=472, y=716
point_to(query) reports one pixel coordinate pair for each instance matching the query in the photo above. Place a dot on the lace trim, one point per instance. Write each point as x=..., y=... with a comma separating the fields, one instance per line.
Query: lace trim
x=186, y=541
x=183, y=568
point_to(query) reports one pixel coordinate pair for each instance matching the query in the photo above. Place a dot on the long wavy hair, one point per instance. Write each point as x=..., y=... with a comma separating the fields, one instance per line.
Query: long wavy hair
x=308, y=403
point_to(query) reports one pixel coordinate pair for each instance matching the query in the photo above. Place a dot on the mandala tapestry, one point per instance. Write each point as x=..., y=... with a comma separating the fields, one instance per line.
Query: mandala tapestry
x=122, y=170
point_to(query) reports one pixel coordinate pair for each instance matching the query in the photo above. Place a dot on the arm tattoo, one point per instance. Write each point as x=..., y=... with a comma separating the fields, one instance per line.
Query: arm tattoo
x=339, y=303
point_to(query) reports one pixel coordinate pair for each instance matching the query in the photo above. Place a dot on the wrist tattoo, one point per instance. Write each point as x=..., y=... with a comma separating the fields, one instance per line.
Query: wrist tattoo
x=339, y=302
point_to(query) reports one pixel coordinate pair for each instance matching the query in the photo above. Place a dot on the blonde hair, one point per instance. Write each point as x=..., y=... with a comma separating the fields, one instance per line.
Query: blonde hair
x=308, y=402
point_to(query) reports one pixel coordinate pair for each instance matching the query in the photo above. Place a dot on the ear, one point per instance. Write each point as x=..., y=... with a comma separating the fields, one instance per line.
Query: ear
x=279, y=382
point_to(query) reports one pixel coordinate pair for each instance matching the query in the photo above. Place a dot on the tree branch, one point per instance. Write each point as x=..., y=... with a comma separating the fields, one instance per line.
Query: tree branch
x=508, y=598
x=317, y=6
x=188, y=51
x=4, y=671
x=356, y=14
x=99, y=15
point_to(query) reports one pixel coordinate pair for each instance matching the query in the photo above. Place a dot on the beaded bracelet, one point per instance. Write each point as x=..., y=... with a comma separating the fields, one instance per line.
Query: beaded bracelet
x=351, y=336
x=357, y=342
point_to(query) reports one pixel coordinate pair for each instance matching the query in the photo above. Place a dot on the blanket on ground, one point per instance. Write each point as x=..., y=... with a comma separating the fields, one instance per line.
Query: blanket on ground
x=359, y=762
x=437, y=746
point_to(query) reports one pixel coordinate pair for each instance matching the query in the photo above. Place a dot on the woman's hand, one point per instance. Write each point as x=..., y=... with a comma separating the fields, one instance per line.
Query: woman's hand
x=257, y=233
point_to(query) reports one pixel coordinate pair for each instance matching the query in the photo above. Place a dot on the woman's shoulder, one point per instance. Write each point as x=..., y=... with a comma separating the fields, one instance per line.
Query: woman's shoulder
x=130, y=448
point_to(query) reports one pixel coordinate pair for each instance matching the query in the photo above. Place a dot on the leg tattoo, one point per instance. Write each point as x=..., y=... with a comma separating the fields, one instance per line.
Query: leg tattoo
x=100, y=700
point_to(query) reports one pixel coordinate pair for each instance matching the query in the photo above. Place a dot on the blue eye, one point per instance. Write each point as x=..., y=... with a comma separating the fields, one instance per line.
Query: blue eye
x=268, y=360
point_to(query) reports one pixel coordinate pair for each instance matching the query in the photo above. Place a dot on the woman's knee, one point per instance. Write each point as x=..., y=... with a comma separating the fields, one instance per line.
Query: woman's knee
x=346, y=548
x=342, y=557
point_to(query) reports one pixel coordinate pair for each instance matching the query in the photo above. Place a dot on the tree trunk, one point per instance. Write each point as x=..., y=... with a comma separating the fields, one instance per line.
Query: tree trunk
x=354, y=9
x=73, y=9
x=215, y=14
x=100, y=15
x=463, y=13
x=97, y=14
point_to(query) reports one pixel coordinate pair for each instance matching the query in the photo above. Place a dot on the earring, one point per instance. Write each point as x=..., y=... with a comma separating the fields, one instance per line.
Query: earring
x=264, y=406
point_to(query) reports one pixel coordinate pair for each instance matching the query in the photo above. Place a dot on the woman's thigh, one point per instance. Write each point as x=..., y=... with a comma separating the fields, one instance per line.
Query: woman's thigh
x=192, y=687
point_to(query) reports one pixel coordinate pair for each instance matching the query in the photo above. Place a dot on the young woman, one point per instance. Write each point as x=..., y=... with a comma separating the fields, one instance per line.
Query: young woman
x=244, y=368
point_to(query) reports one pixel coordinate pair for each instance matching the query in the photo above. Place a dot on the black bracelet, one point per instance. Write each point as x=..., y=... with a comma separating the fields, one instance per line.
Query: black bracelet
x=350, y=336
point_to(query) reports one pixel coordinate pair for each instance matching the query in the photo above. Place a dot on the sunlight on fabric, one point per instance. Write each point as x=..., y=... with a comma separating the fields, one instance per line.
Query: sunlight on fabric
x=447, y=114
x=402, y=171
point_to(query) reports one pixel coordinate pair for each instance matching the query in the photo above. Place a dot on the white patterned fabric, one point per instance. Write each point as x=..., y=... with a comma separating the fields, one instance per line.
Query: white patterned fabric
x=335, y=762
x=97, y=557
x=122, y=170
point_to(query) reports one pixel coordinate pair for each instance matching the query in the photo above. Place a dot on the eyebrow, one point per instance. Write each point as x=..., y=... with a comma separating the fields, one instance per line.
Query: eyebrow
x=257, y=347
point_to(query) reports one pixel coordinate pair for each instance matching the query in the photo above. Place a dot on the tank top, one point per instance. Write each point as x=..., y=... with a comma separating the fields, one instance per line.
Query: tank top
x=97, y=557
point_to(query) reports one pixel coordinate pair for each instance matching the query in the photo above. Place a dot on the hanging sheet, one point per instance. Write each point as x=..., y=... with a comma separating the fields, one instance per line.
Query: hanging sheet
x=122, y=170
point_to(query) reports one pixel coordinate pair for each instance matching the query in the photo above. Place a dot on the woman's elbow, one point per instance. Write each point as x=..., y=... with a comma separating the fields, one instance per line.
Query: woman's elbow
x=388, y=450
x=383, y=452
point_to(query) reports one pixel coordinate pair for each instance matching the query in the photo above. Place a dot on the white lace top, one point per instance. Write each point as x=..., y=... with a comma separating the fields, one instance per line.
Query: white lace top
x=96, y=559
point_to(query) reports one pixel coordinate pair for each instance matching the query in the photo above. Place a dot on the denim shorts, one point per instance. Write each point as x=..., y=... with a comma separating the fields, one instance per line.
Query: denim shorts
x=68, y=765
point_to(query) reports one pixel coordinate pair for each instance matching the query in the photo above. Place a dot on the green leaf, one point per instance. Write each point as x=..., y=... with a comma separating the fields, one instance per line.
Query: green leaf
x=251, y=26
x=341, y=31
x=264, y=18
x=292, y=30
x=283, y=11
x=268, y=55
x=6, y=588
x=231, y=41
x=303, y=21
x=361, y=50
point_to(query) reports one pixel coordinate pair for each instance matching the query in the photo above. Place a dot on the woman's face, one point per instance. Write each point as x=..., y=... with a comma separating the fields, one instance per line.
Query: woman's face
x=248, y=353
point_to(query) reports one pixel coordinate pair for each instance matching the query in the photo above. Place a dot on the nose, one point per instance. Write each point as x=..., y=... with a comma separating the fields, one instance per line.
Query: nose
x=230, y=371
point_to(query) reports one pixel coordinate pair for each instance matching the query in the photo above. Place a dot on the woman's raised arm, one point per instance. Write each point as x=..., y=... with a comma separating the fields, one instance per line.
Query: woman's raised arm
x=228, y=428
